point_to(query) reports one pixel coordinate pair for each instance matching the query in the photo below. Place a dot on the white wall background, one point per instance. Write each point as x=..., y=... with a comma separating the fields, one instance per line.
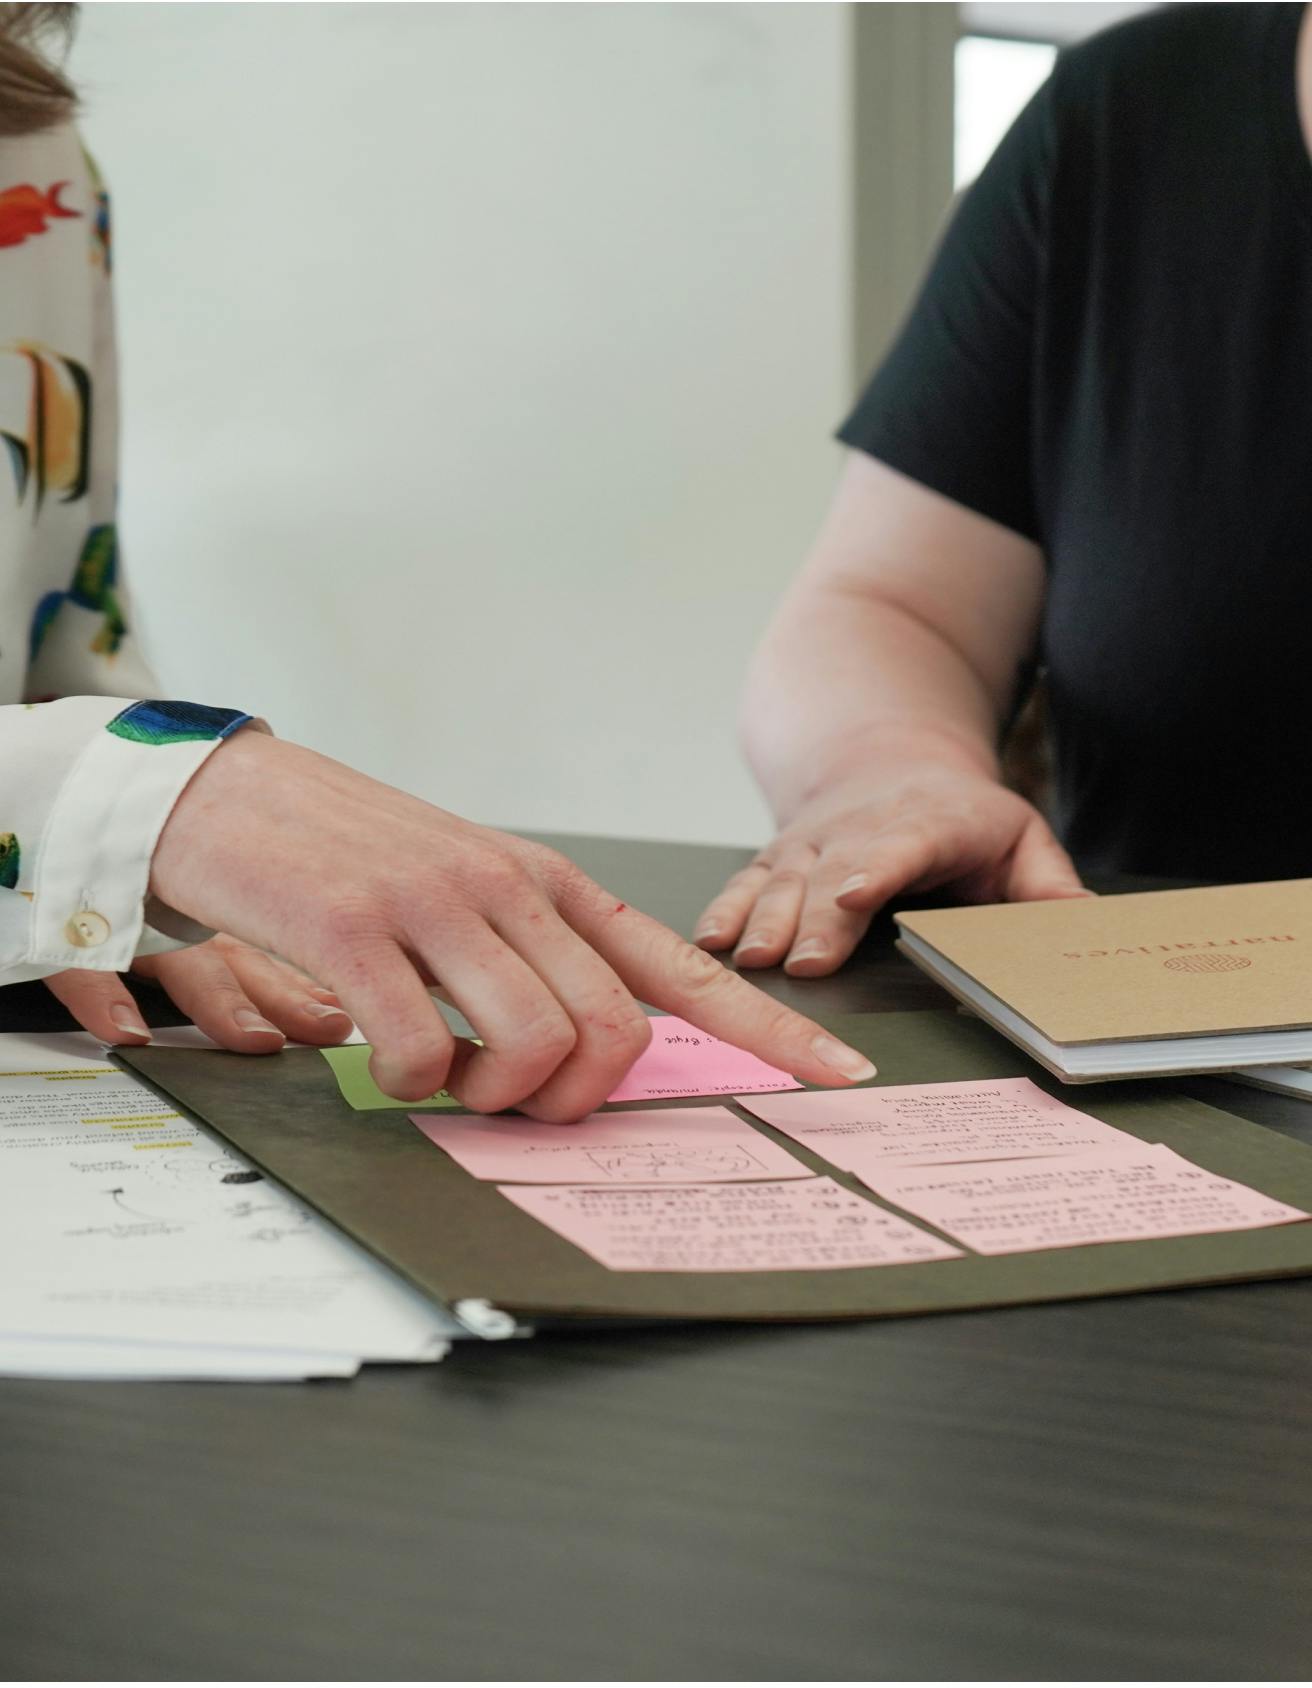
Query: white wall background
x=479, y=368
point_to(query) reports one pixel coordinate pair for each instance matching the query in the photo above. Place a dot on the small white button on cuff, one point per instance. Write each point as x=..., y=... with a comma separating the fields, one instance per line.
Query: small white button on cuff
x=87, y=929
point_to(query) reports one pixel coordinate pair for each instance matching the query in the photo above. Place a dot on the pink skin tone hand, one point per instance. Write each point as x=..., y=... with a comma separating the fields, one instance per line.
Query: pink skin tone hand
x=243, y=999
x=381, y=896
x=871, y=717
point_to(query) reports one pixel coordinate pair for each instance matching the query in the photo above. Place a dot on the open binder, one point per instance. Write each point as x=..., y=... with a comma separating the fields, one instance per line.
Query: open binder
x=461, y=1243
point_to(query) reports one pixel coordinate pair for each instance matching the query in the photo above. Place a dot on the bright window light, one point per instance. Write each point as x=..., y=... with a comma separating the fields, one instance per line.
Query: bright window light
x=994, y=79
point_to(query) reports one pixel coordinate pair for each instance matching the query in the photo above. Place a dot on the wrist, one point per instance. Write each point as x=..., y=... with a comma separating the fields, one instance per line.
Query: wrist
x=888, y=752
x=217, y=795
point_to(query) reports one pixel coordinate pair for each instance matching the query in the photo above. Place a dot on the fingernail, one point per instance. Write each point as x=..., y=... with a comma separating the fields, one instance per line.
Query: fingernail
x=850, y=1062
x=811, y=950
x=711, y=929
x=323, y=1011
x=857, y=882
x=250, y=1021
x=126, y=1017
x=754, y=941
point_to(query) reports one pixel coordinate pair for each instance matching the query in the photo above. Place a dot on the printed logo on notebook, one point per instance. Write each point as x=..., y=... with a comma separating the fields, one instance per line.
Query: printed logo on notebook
x=1209, y=948
x=1213, y=963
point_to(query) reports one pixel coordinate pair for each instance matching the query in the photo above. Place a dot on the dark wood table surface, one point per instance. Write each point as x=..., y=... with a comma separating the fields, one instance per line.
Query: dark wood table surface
x=1114, y=1489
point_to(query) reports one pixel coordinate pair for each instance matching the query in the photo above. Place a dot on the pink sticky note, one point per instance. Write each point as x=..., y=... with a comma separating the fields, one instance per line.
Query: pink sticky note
x=683, y=1060
x=648, y=1146
x=814, y=1223
x=923, y=1124
x=1103, y=1197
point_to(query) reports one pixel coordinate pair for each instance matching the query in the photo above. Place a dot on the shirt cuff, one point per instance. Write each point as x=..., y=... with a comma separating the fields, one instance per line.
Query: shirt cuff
x=91, y=888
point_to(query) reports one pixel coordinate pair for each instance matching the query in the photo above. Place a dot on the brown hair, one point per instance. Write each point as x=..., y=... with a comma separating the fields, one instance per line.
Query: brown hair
x=34, y=92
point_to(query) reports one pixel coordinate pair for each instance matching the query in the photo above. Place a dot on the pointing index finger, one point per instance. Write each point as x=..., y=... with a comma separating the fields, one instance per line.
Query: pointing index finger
x=662, y=969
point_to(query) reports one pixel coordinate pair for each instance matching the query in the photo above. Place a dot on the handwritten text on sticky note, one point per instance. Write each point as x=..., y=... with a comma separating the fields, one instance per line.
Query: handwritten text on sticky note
x=652, y=1146
x=810, y=1224
x=923, y=1124
x=683, y=1060
x=1102, y=1197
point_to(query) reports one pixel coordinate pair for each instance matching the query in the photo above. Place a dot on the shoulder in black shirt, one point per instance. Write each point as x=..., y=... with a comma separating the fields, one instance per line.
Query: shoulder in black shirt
x=1112, y=355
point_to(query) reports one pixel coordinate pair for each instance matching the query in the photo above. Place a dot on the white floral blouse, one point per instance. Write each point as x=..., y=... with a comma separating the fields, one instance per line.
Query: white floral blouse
x=90, y=763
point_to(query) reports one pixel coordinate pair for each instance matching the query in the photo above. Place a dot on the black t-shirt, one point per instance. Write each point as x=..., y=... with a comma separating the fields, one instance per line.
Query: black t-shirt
x=1112, y=355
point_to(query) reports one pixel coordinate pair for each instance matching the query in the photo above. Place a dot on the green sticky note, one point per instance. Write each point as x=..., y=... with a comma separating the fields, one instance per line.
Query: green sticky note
x=350, y=1065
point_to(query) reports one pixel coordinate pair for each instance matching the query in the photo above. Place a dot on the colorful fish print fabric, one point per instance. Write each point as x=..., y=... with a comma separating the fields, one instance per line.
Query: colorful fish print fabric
x=91, y=759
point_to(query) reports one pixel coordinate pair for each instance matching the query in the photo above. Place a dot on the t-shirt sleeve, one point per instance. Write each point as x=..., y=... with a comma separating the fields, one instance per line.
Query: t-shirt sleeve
x=951, y=405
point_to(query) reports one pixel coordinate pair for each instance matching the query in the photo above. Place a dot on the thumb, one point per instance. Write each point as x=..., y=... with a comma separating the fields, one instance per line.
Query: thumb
x=102, y=1003
x=1040, y=868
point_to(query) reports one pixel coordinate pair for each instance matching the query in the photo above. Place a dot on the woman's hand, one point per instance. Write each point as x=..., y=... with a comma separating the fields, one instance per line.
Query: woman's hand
x=381, y=895
x=809, y=896
x=241, y=998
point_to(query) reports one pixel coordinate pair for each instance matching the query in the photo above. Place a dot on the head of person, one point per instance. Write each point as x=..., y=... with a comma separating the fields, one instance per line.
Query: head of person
x=35, y=93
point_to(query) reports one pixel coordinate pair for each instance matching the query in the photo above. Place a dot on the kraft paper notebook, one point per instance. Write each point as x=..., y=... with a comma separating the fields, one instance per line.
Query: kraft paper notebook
x=461, y=1241
x=1151, y=982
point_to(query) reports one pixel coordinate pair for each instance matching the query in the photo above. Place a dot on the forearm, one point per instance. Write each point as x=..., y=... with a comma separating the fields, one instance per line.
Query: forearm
x=871, y=718
x=846, y=678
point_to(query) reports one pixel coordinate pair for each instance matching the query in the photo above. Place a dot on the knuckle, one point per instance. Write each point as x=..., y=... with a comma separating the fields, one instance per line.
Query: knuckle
x=226, y=946
x=547, y=1039
x=353, y=921
x=223, y=991
x=802, y=849
x=350, y=965
x=640, y=1032
x=626, y=1034
x=696, y=971
x=788, y=880
x=418, y=1058
x=410, y=1079
x=555, y=1110
x=541, y=862
x=781, y=1026
x=500, y=879
x=568, y=886
x=551, y=863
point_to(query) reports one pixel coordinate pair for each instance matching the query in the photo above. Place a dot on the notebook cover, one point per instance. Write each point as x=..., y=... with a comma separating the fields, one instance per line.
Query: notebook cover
x=1222, y=1063
x=1146, y=964
x=377, y=1177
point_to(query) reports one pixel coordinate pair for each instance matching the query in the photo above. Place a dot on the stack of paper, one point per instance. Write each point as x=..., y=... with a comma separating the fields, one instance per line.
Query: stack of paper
x=133, y=1244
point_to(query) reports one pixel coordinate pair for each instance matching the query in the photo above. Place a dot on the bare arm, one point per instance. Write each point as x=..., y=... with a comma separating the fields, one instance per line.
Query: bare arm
x=871, y=718
x=907, y=627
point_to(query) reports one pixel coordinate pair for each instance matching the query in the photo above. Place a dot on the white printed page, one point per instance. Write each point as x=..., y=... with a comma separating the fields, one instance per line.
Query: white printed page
x=121, y=1219
x=72, y=1359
